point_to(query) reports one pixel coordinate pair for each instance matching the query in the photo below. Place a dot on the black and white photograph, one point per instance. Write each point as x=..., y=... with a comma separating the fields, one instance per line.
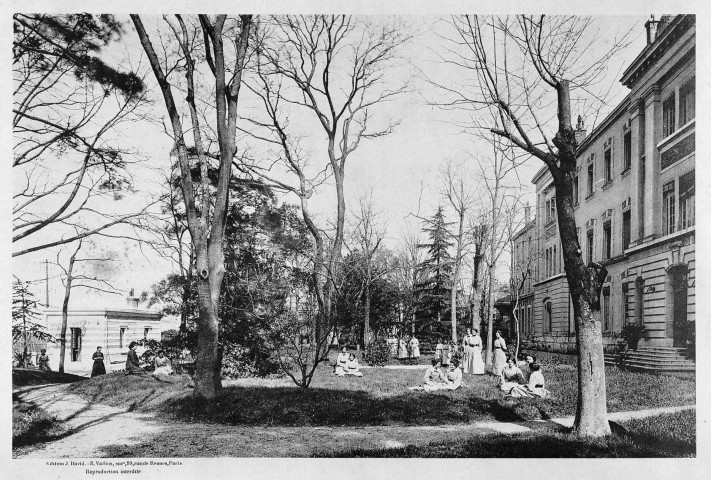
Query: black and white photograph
x=333, y=232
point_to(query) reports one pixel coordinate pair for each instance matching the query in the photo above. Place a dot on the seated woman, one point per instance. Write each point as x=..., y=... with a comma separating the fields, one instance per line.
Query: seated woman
x=432, y=379
x=132, y=365
x=537, y=384
x=341, y=360
x=162, y=364
x=453, y=379
x=352, y=367
x=511, y=376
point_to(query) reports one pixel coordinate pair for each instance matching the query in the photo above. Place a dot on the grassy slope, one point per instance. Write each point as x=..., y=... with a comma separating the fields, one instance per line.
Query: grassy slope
x=381, y=397
x=22, y=377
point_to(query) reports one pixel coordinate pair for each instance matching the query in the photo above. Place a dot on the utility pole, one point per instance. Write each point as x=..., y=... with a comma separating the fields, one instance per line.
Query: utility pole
x=46, y=283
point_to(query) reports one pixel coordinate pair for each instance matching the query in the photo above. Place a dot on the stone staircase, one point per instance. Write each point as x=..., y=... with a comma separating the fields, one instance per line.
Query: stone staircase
x=654, y=360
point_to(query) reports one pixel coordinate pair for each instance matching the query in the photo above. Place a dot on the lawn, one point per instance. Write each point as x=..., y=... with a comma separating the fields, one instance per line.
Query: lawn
x=672, y=435
x=380, y=398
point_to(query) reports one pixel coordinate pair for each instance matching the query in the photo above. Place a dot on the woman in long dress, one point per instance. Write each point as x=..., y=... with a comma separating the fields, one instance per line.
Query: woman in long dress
x=402, y=353
x=453, y=379
x=415, y=347
x=162, y=364
x=468, y=359
x=352, y=367
x=478, y=368
x=499, y=354
x=98, y=368
x=511, y=377
x=536, y=387
x=132, y=365
x=341, y=361
x=43, y=361
x=438, y=350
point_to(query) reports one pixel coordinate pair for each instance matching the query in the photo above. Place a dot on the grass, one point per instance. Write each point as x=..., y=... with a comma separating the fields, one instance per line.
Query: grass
x=380, y=398
x=672, y=435
x=31, y=425
x=22, y=377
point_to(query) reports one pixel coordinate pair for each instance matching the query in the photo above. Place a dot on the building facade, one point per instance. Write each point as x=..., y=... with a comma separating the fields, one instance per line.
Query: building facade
x=635, y=207
x=111, y=329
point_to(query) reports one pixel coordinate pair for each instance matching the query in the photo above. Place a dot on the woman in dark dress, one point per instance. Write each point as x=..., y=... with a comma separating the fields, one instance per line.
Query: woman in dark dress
x=98, y=368
x=132, y=366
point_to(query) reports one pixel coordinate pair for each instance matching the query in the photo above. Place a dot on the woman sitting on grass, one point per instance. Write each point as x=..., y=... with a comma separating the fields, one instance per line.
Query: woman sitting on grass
x=341, y=360
x=162, y=364
x=536, y=387
x=453, y=379
x=433, y=377
x=511, y=376
x=132, y=365
x=352, y=367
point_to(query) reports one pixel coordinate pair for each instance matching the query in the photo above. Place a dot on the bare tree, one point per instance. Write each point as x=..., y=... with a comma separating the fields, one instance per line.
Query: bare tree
x=335, y=67
x=461, y=197
x=225, y=43
x=83, y=279
x=68, y=107
x=527, y=67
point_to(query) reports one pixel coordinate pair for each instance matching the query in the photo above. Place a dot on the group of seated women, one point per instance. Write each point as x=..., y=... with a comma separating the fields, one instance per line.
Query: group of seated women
x=513, y=383
x=346, y=364
x=436, y=379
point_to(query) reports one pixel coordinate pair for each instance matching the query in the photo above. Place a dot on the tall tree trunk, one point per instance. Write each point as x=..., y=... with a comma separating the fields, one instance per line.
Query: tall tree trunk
x=585, y=283
x=455, y=275
x=366, y=308
x=65, y=309
x=490, y=316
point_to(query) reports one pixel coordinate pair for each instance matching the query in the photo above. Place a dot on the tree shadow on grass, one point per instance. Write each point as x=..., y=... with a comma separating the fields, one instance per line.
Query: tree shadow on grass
x=283, y=406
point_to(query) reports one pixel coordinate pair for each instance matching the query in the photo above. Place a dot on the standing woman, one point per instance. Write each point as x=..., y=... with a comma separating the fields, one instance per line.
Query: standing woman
x=478, y=368
x=415, y=347
x=98, y=368
x=403, y=349
x=499, y=354
x=468, y=359
x=43, y=361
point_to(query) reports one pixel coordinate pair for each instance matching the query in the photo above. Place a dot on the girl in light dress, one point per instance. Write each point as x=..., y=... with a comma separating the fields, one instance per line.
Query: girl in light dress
x=468, y=359
x=162, y=364
x=352, y=367
x=499, y=354
x=415, y=347
x=478, y=361
x=511, y=377
x=453, y=379
x=536, y=387
x=403, y=349
x=438, y=350
x=341, y=361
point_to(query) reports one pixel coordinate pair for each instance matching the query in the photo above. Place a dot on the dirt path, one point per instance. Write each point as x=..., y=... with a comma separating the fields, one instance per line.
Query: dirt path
x=95, y=430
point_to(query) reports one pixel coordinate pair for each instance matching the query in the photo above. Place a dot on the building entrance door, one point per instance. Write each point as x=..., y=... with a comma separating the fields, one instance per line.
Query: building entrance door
x=76, y=344
x=678, y=276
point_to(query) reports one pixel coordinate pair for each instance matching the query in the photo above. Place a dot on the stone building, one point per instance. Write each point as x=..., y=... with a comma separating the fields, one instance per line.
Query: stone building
x=635, y=197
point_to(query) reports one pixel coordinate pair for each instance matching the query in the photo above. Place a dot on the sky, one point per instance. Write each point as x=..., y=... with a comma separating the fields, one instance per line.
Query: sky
x=402, y=169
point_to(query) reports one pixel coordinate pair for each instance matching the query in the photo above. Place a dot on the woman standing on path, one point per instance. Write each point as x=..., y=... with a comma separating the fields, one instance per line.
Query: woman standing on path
x=415, y=347
x=478, y=368
x=499, y=354
x=468, y=345
x=98, y=368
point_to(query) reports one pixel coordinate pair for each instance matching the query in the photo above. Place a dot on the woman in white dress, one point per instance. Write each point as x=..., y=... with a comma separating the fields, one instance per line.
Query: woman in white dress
x=341, y=361
x=453, y=380
x=536, y=387
x=415, y=347
x=478, y=368
x=468, y=359
x=499, y=354
x=511, y=377
x=162, y=364
x=352, y=367
x=403, y=349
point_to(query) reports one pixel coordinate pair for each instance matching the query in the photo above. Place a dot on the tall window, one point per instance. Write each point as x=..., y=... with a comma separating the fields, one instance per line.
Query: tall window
x=627, y=151
x=550, y=210
x=607, y=239
x=529, y=318
x=687, y=200
x=687, y=101
x=591, y=179
x=146, y=332
x=590, y=245
x=669, y=204
x=122, y=335
x=576, y=191
x=668, y=116
x=608, y=165
x=626, y=229
x=607, y=310
x=548, y=315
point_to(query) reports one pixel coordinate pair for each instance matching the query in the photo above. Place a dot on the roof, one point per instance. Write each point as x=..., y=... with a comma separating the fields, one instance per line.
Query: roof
x=112, y=312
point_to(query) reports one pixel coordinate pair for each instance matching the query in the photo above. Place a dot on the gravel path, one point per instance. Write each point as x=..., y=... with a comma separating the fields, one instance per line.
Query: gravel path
x=93, y=427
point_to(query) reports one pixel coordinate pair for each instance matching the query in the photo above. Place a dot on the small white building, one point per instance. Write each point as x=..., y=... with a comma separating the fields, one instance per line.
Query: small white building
x=110, y=328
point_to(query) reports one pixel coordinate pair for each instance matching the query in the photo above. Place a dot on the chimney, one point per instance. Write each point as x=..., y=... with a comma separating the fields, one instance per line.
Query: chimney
x=580, y=130
x=131, y=300
x=652, y=30
x=527, y=214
